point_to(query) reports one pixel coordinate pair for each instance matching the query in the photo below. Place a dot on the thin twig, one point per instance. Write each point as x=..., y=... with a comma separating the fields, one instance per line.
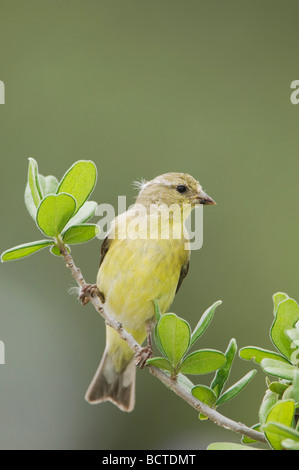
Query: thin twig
x=210, y=413
x=174, y=385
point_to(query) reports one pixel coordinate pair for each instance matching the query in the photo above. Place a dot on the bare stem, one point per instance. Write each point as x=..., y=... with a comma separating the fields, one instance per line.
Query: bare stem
x=174, y=385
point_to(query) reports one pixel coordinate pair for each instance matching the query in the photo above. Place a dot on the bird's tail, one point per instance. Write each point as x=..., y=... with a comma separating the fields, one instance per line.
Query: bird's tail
x=115, y=386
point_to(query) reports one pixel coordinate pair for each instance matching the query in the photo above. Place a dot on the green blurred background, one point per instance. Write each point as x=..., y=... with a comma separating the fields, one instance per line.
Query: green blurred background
x=143, y=88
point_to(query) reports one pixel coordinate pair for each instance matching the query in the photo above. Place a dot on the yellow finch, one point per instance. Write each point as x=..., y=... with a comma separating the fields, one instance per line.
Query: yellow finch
x=137, y=266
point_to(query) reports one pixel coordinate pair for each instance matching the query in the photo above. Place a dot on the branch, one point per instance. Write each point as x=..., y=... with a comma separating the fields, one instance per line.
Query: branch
x=174, y=385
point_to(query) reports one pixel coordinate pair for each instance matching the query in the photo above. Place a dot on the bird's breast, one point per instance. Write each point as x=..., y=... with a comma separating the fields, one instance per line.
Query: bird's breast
x=135, y=272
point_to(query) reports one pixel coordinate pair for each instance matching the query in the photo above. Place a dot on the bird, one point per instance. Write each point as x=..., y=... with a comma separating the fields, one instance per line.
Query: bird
x=137, y=269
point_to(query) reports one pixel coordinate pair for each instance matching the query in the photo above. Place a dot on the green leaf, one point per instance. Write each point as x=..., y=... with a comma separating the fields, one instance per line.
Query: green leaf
x=56, y=251
x=249, y=440
x=204, y=322
x=293, y=335
x=278, y=369
x=202, y=417
x=160, y=362
x=31, y=207
x=54, y=212
x=289, y=393
x=229, y=446
x=202, y=362
x=269, y=400
x=290, y=444
x=174, y=334
x=34, y=183
x=80, y=233
x=278, y=387
x=258, y=354
x=287, y=315
x=281, y=430
x=157, y=310
x=295, y=356
x=296, y=386
x=277, y=298
x=185, y=382
x=48, y=184
x=222, y=374
x=79, y=181
x=158, y=316
x=26, y=249
x=236, y=388
x=204, y=394
x=282, y=413
x=84, y=214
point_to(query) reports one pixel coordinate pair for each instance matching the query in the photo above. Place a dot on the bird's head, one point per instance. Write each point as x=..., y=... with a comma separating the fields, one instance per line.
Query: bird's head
x=172, y=188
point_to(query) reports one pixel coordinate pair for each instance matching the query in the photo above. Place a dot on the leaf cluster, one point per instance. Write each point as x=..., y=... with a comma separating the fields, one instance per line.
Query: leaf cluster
x=60, y=209
x=174, y=338
x=278, y=413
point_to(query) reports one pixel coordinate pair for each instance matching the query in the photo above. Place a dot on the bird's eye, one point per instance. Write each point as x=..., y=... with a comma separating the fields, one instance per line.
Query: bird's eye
x=181, y=188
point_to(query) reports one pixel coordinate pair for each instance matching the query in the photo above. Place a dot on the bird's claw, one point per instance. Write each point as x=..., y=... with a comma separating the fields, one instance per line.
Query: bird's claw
x=143, y=355
x=90, y=290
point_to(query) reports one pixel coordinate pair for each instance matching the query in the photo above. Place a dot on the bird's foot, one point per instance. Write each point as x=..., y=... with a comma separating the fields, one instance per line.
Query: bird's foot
x=143, y=355
x=90, y=290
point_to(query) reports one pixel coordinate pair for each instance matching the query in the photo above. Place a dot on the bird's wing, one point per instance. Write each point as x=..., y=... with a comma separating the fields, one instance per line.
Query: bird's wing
x=183, y=274
x=104, y=249
x=112, y=235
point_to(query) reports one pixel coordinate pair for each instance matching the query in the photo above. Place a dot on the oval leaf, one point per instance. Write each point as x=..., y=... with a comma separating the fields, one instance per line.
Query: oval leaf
x=26, y=249
x=269, y=400
x=278, y=369
x=185, y=382
x=80, y=233
x=31, y=207
x=202, y=362
x=282, y=413
x=174, y=334
x=236, y=388
x=278, y=387
x=204, y=322
x=251, y=353
x=296, y=386
x=222, y=374
x=54, y=212
x=160, y=362
x=84, y=214
x=277, y=298
x=79, y=181
x=289, y=394
x=48, y=184
x=287, y=315
x=204, y=394
x=34, y=183
x=282, y=430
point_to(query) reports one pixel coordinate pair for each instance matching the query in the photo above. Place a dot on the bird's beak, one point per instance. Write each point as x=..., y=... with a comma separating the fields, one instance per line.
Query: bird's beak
x=203, y=198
